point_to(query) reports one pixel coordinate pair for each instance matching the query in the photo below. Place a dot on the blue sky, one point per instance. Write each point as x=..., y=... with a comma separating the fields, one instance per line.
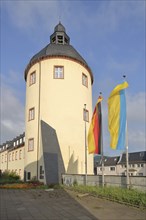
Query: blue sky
x=110, y=35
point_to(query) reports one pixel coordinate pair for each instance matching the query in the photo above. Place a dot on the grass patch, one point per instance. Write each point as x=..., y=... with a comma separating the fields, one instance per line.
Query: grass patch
x=128, y=196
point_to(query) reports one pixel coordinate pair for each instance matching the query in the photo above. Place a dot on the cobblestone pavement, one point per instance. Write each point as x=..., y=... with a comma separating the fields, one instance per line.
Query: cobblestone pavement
x=61, y=205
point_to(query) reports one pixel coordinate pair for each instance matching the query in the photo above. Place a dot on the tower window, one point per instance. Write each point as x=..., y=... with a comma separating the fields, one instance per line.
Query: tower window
x=31, y=114
x=66, y=41
x=84, y=80
x=60, y=39
x=31, y=144
x=32, y=78
x=58, y=72
x=86, y=115
x=54, y=40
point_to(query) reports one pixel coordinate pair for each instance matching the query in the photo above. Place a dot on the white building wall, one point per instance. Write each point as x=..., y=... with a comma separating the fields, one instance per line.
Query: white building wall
x=12, y=161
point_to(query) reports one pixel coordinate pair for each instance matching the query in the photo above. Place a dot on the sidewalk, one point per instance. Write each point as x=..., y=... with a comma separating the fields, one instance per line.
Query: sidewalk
x=61, y=205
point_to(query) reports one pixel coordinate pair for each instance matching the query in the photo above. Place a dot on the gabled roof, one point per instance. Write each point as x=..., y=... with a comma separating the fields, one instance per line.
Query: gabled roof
x=109, y=161
x=10, y=144
x=134, y=157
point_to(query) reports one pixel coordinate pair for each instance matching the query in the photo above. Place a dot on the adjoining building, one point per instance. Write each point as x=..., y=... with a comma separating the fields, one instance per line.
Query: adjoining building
x=117, y=165
x=12, y=155
x=58, y=104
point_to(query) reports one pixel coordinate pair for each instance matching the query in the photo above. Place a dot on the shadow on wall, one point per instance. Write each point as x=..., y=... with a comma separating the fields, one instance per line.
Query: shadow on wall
x=53, y=161
x=72, y=166
x=30, y=171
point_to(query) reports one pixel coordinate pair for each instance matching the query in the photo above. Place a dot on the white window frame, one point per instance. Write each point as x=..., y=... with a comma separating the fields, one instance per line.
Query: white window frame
x=84, y=79
x=58, y=72
x=20, y=154
x=32, y=79
x=31, y=115
x=16, y=155
x=30, y=144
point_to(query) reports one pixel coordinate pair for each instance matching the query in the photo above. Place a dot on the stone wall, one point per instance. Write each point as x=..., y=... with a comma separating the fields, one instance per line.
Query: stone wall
x=136, y=182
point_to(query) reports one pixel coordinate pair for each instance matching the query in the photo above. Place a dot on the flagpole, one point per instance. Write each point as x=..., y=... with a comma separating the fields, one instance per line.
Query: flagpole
x=127, y=155
x=85, y=148
x=102, y=155
x=102, y=163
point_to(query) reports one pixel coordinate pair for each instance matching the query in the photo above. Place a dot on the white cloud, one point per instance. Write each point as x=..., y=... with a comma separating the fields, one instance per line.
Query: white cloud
x=27, y=15
x=103, y=16
x=12, y=108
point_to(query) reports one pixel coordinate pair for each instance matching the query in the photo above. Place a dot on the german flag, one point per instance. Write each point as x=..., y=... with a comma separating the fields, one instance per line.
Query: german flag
x=95, y=130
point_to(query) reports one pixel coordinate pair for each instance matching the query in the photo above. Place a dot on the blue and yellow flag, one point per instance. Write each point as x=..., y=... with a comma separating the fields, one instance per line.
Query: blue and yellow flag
x=117, y=116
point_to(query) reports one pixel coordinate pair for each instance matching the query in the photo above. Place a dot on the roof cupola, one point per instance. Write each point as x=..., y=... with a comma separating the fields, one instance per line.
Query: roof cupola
x=59, y=36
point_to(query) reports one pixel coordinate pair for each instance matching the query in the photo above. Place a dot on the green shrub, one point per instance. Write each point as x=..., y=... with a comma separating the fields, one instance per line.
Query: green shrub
x=9, y=177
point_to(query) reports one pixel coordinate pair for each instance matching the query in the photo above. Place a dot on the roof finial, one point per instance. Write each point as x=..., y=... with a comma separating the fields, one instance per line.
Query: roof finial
x=59, y=19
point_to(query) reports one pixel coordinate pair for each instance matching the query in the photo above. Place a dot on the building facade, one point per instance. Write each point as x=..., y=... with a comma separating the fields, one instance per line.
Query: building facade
x=58, y=105
x=117, y=165
x=12, y=155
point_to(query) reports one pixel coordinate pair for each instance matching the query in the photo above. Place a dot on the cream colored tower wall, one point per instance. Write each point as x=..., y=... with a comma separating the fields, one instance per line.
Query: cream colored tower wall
x=31, y=130
x=61, y=106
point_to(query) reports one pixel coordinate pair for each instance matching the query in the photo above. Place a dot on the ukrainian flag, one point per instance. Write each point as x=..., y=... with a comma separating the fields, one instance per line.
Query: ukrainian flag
x=117, y=116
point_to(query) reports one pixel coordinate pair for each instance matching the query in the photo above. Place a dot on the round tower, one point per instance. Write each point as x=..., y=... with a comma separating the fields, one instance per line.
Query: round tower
x=58, y=85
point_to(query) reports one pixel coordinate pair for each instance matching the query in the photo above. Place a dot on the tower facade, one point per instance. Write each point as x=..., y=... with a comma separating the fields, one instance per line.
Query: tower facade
x=58, y=85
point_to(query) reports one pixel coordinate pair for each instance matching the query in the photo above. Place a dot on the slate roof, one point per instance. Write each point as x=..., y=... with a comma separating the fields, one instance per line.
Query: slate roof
x=109, y=161
x=58, y=50
x=9, y=144
x=136, y=157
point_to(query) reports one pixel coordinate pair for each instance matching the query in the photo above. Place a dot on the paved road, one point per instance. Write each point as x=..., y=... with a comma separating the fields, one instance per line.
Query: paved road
x=61, y=205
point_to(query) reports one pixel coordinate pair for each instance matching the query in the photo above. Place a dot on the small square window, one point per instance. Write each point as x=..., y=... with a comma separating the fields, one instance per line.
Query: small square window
x=31, y=114
x=58, y=72
x=86, y=115
x=31, y=144
x=32, y=78
x=20, y=154
x=112, y=168
x=16, y=155
x=5, y=157
x=12, y=156
x=84, y=80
